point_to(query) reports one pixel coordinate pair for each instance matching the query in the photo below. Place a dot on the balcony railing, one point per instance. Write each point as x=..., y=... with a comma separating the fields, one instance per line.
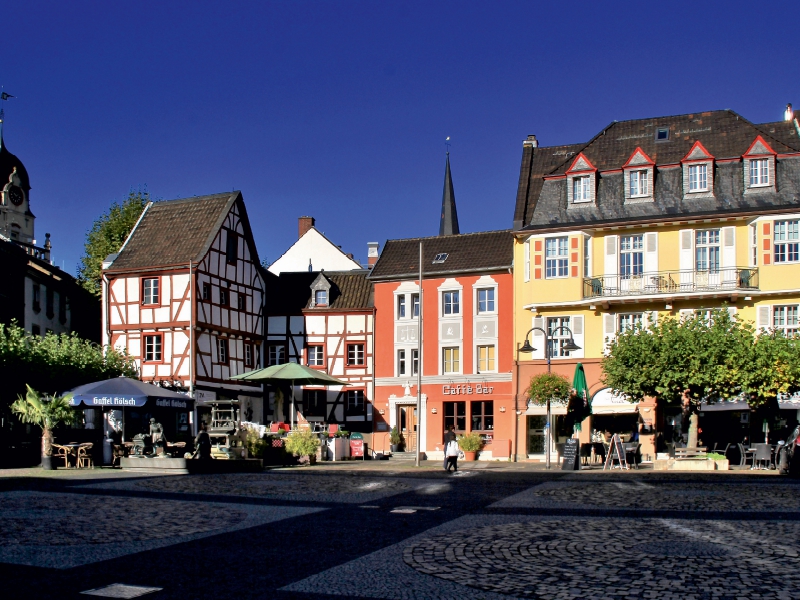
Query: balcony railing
x=671, y=282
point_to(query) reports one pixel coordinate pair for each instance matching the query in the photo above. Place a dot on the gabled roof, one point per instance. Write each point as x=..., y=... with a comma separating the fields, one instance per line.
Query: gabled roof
x=291, y=294
x=175, y=232
x=315, y=249
x=787, y=132
x=466, y=253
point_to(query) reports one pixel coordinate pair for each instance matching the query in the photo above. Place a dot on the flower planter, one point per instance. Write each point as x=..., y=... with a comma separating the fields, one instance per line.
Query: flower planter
x=469, y=455
x=48, y=464
x=722, y=465
x=394, y=448
x=308, y=460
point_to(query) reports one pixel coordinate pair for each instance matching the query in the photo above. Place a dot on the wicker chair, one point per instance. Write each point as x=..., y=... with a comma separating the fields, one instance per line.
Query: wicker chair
x=61, y=452
x=84, y=457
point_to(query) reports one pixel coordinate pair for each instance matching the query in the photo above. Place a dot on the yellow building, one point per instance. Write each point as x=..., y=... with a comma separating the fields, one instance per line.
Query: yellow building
x=650, y=217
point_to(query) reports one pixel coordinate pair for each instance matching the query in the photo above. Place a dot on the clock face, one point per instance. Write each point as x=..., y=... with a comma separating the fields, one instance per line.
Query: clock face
x=15, y=195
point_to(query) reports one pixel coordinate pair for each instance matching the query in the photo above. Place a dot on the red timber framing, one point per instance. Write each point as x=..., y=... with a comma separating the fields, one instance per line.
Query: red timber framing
x=189, y=326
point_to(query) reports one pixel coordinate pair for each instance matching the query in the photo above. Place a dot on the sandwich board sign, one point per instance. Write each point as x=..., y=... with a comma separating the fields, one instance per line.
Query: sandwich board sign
x=618, y=451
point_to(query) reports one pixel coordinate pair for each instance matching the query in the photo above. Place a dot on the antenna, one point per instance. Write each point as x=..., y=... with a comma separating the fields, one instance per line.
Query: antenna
x=447, y=144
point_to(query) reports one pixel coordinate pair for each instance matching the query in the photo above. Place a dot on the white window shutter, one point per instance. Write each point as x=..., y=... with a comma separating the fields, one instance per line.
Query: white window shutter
x=537, y=338
x=732, y=311
x=686, y=313
x=651, y=252
x=611, y=243
x=763, y=318
x=650, y=317
x=686, y=256
x=609, y=330
x=576, y=324
x=728, y=258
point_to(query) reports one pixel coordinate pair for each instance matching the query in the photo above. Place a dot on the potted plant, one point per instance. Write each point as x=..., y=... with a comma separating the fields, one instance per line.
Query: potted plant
x=470, y=443
x=395, y=440
x=304, y=444
x=47, y=412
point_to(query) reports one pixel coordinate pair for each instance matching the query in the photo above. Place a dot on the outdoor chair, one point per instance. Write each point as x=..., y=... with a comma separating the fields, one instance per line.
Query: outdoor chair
x=632, y=456
x=61, y=452
x=84, y=458
x=597, y=287
x=763, y=454
x=744, y=452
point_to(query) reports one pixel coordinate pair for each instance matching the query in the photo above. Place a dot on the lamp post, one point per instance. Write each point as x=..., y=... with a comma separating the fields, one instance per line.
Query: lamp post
x=569, y=346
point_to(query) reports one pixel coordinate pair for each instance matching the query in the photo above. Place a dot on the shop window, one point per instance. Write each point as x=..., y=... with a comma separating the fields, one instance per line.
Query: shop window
x=482, y=415
x=455, y=414
x=355, y=401
x=314, y=403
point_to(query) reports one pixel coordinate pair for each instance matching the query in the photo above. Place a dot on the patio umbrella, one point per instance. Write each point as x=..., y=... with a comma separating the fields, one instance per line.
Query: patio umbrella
x=293, y=373
x=579, y=383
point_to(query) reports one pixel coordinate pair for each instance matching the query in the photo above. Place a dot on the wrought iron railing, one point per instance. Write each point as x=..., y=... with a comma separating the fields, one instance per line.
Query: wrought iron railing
x=671, y=282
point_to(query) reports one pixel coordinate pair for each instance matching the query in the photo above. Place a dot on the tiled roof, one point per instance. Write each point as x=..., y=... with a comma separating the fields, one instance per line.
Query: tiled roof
x=785, y=131
x=175, y=232
x=542, y=203
x=467, y=252
x=291, y=293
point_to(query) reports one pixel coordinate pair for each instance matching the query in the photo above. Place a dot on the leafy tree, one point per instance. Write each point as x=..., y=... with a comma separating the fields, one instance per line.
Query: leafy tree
x=107, y=235
x=45, y=412
x=54, y=362
x=548, y=386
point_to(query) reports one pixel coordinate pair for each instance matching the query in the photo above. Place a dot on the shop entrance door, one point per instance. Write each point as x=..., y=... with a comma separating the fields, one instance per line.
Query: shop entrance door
x=407, y=420
x=536, y=428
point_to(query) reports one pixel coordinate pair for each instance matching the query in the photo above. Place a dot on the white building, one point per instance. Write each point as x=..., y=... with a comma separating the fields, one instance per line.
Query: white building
x=313, y=252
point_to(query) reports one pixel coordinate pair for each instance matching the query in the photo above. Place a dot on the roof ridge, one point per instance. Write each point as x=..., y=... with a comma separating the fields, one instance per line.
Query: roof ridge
x=444, y=237
x=196, y=198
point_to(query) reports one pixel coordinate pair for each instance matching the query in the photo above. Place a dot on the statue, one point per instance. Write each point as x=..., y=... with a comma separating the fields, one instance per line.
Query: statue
x=692, y=431
x=158, y=438
x=407, y=388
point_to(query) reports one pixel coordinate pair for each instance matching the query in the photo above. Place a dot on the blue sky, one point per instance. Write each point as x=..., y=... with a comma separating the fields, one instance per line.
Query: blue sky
x=339, y=110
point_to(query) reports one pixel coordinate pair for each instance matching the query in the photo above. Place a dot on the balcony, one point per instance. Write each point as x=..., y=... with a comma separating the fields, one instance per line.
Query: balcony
x=730, y=279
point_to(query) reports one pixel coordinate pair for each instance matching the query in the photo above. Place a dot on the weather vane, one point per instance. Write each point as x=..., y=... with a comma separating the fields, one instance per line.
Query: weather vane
x=447, y=144
x=4, y=96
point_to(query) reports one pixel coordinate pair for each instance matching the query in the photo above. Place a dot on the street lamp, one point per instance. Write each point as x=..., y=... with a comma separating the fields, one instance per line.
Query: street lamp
x=569, y=346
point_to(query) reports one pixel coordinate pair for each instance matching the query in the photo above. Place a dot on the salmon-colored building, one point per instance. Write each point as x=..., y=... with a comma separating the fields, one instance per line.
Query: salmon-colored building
x=467, y=341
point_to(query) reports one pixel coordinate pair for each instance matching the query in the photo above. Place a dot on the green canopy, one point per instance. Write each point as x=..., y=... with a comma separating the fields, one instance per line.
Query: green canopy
x=579, y=384
x=293, y=373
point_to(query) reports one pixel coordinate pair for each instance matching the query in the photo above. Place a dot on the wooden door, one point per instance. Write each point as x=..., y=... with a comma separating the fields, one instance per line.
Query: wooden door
x=407, y=418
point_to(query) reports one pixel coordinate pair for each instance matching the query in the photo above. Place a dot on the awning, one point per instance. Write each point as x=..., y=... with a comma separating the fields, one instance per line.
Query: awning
x=606, y=402
x=556, y=408
x=122, y=392
x=785, y=402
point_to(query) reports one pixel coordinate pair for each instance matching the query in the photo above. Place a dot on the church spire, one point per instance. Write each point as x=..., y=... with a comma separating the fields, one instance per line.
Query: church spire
x=448, y=223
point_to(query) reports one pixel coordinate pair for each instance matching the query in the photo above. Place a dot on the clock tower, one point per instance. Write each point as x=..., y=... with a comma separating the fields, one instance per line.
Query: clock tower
x=16, y=218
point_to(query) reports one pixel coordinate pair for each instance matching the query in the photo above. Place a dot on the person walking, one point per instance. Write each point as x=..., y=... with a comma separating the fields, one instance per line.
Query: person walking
x=202, y=443
x=450, y=450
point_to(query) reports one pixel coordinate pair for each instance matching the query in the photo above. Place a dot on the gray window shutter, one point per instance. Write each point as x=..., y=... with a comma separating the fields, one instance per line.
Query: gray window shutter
x=609, y=330
x=650, y=252
x=763, y=318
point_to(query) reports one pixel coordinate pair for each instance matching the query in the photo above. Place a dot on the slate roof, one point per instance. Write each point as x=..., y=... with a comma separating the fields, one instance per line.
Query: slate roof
x=467, y=252
x=787, y=132
x=174, y=232
x=542, y=203
x=291, y=293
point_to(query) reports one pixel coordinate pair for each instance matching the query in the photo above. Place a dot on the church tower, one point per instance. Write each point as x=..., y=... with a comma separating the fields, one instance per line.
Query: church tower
x=448, y=222
x=16, y=218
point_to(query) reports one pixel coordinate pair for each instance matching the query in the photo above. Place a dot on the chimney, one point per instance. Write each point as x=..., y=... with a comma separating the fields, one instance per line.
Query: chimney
x=372, y=253
x=531, y=141
x=303, y=225
x=788, y=115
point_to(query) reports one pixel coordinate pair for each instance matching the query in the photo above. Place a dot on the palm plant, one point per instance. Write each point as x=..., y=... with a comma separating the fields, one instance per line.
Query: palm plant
x=45, y=411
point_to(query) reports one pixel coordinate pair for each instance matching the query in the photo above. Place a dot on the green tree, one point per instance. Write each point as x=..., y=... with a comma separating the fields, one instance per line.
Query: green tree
x=46, y=412
x=107, y=235
x=548, y=386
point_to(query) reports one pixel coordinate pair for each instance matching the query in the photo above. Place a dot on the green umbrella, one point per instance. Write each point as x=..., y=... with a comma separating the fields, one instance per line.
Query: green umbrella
x=293, y=373
x=579, y=383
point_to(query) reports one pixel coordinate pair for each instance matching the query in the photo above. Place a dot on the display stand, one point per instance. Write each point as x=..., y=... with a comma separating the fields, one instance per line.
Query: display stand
x=616, y=449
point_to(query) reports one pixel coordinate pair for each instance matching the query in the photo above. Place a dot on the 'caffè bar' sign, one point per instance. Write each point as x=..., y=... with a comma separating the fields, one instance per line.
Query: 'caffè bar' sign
x=466, y=389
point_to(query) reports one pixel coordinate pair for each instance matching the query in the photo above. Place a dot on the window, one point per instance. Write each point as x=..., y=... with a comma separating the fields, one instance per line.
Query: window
x=315, y=356
x=355, y=354
x=580, y=189
x=276, y=355
x=638, y=183
x=224, y=297
x=698, y=178
x=481, y=412
x=759, y=171
x=485, y=359
x=486, y=300
x=662, y=134
x=240, y=301
x=321, y=298
x=231, y=245
x=455, y=414
x=206, y=291
x=707, y=250
x=450, y=360
x=401, y=362
x=415, y=305
x=314, y=402
x=49, y=299
x=222, y=350
x=150, y=293
x=787, y=241
x=629, y=321
x=558, y=336
x=631, y=255
x=37, y=298
x=785, y=319
x=248, y=355
x=440, y=258
x=753, y=245
x=450, y=303
x=586, y=248
x=355, y=401
x=414, y=361
x=556, y=261
x=401, y=306
x=152, y=348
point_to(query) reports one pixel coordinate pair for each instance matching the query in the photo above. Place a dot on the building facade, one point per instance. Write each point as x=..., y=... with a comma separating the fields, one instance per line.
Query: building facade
x=185, y=297
x=651, y=217
x=465, y=354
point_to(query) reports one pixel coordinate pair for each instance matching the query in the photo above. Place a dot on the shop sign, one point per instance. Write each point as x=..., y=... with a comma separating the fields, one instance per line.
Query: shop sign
x=171, y=403
x=466, y=388
x=112, y=401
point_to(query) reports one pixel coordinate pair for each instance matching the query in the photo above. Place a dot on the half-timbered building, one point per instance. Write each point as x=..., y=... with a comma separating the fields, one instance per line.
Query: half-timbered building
x=325, y=321
x=185, y=297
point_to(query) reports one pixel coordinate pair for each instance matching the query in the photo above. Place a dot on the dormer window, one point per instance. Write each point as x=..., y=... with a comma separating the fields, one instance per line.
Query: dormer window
x=698, y=173
x=581, y=181
x=662, y=134
x=580, y=189
x=698, y=178
x=321, y=297
x=759, y=167
x=759, y=171
x=320, y=292
x=638, y=177
x=638, y=183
